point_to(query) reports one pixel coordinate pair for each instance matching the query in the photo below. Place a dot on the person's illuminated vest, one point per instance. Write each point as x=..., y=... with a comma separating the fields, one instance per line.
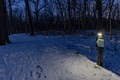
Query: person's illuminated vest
x=100, y=42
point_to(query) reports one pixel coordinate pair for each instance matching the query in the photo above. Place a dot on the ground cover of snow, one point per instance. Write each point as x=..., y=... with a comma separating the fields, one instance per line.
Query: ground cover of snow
x=43, y=57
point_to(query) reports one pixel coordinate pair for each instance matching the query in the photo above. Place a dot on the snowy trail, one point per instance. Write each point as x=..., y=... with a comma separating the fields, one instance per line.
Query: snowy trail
x=46, y=58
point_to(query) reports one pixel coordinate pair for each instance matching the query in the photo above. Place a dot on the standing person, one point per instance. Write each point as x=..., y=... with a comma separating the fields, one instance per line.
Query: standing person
x=100, y=45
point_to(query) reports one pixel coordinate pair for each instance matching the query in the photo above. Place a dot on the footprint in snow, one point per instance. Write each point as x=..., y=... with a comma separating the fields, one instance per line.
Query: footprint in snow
x=39, y=71
x=39, y=68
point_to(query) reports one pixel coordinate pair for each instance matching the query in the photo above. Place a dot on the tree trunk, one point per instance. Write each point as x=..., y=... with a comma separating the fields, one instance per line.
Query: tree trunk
x=99, y=8
x=11, y=16
x=29, y=16
x=110, y=24
x=74, y=12
x=84, y=15
x=95, y=19
x=37, y=10
x=3, y=27
x=45, y=17
x=61, y=13
x=110, y=15
x=69, y=16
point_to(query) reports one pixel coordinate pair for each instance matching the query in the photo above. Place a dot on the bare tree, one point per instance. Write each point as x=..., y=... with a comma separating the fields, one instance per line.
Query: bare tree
x=69, y=15
x=59, y=4
x=99, y=9
x=74, y=8
x=36, y=12
x=111, y=2
x=3, y=27
x=84, y=14
x=11, y=14
x=117, y=14
x=29, y=16
x=45, y=14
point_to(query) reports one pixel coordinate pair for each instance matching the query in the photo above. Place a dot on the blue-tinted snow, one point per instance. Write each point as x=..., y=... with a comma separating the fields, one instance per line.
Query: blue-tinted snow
x=43, y=57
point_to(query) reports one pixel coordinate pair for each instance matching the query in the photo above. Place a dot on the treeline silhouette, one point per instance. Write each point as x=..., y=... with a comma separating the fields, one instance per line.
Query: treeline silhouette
x=64, y=16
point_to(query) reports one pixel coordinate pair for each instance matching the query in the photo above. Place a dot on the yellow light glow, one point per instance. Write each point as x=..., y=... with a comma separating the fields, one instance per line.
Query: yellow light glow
x=100, y=34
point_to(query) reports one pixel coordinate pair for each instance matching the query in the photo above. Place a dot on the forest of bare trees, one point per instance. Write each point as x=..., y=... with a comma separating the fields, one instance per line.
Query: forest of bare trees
x=66, y=16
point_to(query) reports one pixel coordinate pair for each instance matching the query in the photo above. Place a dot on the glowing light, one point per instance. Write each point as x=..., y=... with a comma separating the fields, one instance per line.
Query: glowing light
x=100, y=34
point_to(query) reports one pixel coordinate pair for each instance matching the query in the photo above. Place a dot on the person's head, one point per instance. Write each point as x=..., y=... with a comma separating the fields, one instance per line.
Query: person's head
x=100, y=35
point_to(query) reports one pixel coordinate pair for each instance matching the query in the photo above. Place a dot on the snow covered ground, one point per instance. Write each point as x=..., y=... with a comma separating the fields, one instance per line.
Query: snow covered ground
x=43, y=57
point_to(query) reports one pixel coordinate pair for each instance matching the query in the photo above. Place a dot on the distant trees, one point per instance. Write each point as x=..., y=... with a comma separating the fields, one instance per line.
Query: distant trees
x=117, y=15
x=3, y=27
x=71, y=15
x=63, y=15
